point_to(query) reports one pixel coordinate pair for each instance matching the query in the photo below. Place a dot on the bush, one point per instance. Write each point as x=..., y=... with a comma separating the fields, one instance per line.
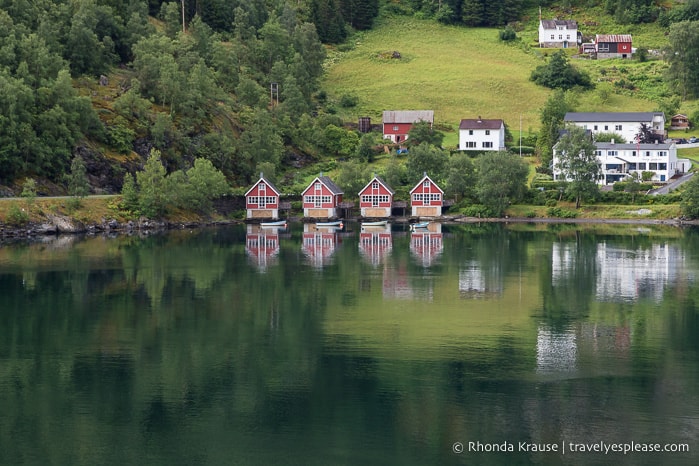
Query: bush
x=508, y=34
x=17, y=216
x=530, y=214
x=560, y=213
x=551, y=203
x=348, y=101
x=526, y=150
x=478, y=210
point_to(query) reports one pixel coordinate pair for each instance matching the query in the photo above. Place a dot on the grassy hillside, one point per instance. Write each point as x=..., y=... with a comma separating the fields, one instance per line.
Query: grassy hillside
x=465, y=72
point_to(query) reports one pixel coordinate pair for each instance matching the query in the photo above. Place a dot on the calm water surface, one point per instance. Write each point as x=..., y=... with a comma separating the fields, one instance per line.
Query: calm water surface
x=241, y=346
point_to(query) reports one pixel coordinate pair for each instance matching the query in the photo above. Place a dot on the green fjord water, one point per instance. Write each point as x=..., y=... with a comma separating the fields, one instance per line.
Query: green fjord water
x=455, y=345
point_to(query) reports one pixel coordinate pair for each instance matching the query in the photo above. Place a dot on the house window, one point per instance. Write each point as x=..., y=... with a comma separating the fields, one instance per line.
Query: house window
x=425, y=184
x=647, y=153
x=603, y=47
x=271, y=200
x=568, y=36
x=375, y=185
x=617, y=127
x=309, y=199
x=595, y=127
x=632, y=166
x=606, y=127
x=662, y=166
x=633, y=153
x=262, y=187
x=318, y=185
x=470, y=144
x=395, y=128
x=470, y=132
x=487, y=144
x=642, y=166
x=652, y=166
x=662, y=154
x=552, y=37
x=598, y=153
x=612, y=153
x=560, y=36
x=487, y=132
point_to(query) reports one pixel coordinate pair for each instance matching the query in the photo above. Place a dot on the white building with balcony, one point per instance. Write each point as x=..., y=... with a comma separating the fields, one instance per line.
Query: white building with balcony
x=619, y=161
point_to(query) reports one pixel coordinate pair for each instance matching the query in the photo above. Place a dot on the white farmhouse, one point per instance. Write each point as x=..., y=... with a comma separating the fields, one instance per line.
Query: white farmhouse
x=618, y=161
x=558, y=33
x=481, y=135
x=626, y=124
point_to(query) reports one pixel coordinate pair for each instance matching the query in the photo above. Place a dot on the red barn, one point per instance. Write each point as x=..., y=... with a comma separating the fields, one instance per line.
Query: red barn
x=262, y=200
x=613, y=45
x=321, y=198
x=397, y=124
x=376, y=199
x=426, y=198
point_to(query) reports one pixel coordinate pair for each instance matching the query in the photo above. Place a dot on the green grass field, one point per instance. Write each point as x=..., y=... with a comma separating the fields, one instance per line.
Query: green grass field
x=464, y=72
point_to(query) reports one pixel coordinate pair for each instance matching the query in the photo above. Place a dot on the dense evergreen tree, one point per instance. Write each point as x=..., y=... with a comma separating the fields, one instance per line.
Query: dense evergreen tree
x=360, y=14
x=327, y=17
x=684, y=58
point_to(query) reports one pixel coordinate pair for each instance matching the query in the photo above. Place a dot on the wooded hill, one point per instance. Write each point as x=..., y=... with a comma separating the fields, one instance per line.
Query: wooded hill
x=239, y=83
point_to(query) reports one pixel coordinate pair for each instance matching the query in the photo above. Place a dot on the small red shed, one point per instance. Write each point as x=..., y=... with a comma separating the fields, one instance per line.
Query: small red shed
x=426, y=198
x=376, y=199
x=262, y=200
x=322, y=198
x=679, y=121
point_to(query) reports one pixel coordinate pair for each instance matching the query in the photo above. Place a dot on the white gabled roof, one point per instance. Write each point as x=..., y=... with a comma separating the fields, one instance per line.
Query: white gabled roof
x=419, y=183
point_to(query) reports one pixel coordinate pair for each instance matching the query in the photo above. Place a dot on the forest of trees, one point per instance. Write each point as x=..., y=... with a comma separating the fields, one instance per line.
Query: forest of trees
x=238, y=84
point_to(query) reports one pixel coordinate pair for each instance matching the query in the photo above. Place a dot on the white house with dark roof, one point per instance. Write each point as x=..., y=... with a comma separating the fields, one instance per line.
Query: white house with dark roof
x=627, y=124
x=481, y=134
x=618, y=161
x=558, y=33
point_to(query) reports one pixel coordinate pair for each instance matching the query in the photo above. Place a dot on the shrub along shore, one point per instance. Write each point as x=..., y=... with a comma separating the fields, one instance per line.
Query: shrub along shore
x=94, y=215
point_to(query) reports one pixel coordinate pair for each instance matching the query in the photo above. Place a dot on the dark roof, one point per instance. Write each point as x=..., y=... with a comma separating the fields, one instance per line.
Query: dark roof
x=408, y=116
x=481, y=124
x=378, y=178
x=335, y=189
x=609, y=145
x=553, y=23
x=591, y=117
x=267, y=182
x=613, y=38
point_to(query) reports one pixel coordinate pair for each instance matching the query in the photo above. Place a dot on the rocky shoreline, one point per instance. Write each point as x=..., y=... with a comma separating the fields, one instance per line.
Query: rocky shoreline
x=62, y=225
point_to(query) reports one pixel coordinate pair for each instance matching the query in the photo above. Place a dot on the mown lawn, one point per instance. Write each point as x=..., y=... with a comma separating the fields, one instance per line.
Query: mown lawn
x=459, y=73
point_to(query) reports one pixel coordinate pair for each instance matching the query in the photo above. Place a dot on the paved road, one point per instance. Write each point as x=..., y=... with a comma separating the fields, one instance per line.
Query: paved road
x=672, y=185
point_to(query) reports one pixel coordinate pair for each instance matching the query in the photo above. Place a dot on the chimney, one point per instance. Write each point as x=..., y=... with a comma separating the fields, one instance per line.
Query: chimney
x=612, y=140
x=656, y=141
x=479, y=119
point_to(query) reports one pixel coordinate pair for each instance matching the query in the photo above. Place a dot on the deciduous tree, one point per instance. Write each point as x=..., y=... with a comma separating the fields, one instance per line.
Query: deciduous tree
x=577, y=163
x=501, y=181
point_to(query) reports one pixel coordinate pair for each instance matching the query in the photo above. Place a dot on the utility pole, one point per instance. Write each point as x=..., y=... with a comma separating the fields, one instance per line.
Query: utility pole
x=520, y=135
